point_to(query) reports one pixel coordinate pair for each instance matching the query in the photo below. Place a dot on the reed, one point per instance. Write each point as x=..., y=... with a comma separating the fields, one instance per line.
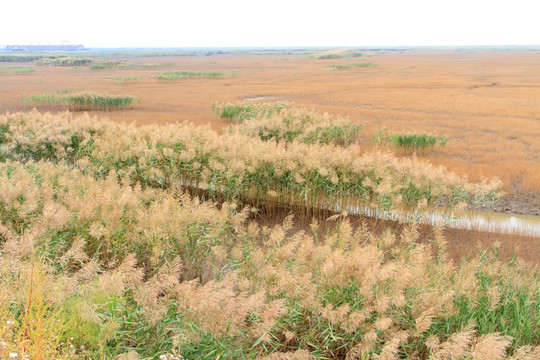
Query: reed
x=410, y=141
x=96, y=268
x=104, y=65
x=285, y=123
x=126, y=79
x=238, y=167
x=78, y=101
x=179, y=75
x=238, y=112
x=341, y=55
x=63, y=61
x=16, y=69
x=25, y=58
x=100, y=102
x=350, y=66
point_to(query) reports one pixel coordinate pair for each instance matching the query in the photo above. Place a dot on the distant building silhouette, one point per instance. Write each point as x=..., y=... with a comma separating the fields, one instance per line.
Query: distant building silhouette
x=43, y=47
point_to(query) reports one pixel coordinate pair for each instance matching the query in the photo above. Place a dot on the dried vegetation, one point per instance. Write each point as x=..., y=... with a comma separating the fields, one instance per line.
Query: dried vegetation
x=103, y=255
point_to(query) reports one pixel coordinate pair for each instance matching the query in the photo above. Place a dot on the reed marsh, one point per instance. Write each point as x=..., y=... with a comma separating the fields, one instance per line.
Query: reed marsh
x=410, y=141
x=349, y=66
x=407, y=91
x=168, y=242
x=238, y=112
x=125, y=79
x=80, y=101
x=179, y=75
x=16, y=69
x=282, y=122
x=101, y=267
x=25, y=58
x=64, y=61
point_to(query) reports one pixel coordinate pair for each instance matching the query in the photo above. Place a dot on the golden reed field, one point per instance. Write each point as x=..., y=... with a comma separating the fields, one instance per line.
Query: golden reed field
x=130, y=232
x=486, y=103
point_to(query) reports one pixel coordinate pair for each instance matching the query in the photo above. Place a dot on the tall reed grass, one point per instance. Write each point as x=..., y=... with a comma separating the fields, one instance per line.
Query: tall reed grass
x=238, y=112
x=350, y=66
x=98, y=268
x=16, y=69
x=238, y=167
x=410, y=141
x=79, y=101
x=111, y=64
x=284, y=123
x=63, y=61
x=179, y=75
x=25, y=58
x=126, y=79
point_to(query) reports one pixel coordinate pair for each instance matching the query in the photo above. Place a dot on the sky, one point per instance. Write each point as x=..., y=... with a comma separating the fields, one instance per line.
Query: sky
x=275, y=23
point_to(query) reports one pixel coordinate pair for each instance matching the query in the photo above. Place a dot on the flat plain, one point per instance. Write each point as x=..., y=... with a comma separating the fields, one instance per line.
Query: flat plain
x=213, y=228
x=486, y=103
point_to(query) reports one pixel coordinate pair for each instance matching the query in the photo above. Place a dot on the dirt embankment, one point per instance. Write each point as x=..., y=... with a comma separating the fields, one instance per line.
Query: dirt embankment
x=520, y=203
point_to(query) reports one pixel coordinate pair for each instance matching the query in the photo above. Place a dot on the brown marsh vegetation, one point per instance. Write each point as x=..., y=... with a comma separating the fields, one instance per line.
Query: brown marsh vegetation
x=176, y=241
x=485, y=102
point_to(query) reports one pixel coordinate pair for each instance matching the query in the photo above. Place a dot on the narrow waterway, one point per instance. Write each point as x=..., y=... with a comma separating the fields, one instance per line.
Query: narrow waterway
x=512, y=224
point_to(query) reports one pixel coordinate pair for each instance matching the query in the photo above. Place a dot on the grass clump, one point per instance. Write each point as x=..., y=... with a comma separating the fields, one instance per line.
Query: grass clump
x=179, y=75
x=238, y=112
x=16, y=69
x=25, y=58
x=101, y=102
x=94, y=267
x=290, y=124
x=410, y=141
x=152, y=65
x=64, y=61
x=341, y=55
x=350, y=66
x=126, y=79
x=79, y=101
x=112, y=64
x=240, y=167
x=331, y=56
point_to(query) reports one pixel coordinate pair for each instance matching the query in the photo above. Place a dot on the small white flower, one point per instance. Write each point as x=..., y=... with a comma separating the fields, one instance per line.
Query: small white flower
x=162, y=357
x=13, y=355
x=9, y=322
x=71, y=338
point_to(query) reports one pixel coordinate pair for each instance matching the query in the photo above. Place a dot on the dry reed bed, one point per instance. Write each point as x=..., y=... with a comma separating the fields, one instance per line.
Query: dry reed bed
x=94, y=268
x=236, y=166
x=494, y=131
x=281, y=122
x=81, y=101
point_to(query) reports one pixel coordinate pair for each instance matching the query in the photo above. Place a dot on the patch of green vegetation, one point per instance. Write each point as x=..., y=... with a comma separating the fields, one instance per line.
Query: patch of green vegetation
x=25, y=58
x=16, y=69
x=344, y=134
x=148, y=65
x=113, y=64
x=238, y=112
x=64, y=61
x=350, y=66
x=79, y=101
x=179, y=75
x=410, y=141
x=342, y=55
x=121, y=80
x=330, y=56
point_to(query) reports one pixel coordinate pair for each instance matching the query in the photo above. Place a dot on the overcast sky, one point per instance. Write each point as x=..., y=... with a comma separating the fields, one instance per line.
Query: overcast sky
x=250, y=23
